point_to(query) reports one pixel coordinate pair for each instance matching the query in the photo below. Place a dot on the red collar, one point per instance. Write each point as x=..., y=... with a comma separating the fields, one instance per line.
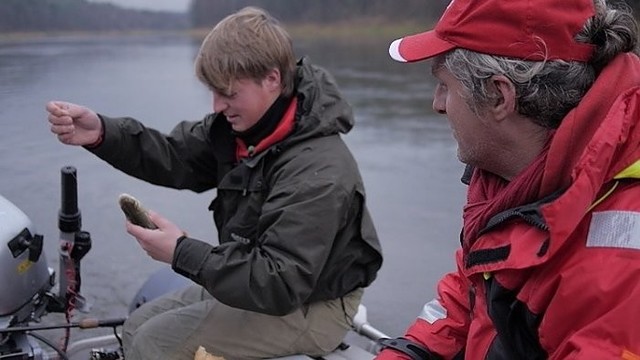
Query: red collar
x=284, y=128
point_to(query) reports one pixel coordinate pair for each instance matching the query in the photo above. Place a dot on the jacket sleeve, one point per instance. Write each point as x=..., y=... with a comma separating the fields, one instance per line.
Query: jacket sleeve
x=183, y=159
x=443, y=324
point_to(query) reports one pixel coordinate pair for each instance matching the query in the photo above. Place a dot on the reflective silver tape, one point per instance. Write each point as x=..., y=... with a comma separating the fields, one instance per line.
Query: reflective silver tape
x=433, y=311
x=615, y=229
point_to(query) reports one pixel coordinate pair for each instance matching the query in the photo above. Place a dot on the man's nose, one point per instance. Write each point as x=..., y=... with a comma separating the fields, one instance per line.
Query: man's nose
x=439, y=107
x=439, y=104
x=219, y=105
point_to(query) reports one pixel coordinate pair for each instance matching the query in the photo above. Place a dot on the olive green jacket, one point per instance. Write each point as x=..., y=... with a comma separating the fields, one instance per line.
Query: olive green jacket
x=292, y=222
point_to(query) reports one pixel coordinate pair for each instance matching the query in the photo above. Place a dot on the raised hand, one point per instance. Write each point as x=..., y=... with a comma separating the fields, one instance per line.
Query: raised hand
x=74, y=124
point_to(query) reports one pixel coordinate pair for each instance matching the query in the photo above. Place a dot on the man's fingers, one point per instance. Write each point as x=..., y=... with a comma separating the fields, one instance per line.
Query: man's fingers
x=63, y=129
x=52, y=107
x=133, y=229
x=59, y=119
x=154, y=216
x=58, y=108
x=66, y=139
x=164, y=224
x=160, y=221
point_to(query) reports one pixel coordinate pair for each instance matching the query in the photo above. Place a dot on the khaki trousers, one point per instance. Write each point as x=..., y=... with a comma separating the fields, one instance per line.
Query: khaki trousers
x=173, y=326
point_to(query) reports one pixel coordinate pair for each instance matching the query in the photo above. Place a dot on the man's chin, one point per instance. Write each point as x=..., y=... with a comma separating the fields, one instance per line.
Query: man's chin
x=235, y=126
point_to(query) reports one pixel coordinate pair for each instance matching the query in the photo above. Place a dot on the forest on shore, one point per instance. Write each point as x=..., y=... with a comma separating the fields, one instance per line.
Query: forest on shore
x=24, y=16
x=204, y=13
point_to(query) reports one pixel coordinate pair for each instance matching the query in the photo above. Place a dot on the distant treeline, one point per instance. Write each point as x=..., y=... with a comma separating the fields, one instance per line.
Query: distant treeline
x=205, y=13
x=80, y=15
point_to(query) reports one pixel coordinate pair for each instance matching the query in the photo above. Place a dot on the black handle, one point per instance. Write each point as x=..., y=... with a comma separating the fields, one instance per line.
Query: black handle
x=69, y=218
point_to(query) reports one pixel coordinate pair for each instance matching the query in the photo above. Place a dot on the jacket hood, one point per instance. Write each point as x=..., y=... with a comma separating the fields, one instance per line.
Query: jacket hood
x=598, y=142
x=601, y=125
x=322, y=110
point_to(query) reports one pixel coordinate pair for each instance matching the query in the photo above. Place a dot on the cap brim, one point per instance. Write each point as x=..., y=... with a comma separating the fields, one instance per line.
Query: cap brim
x=418, y=47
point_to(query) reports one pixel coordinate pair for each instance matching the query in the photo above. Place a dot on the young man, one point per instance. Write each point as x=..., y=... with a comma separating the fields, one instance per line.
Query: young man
x=296, y=242
x=543, y=98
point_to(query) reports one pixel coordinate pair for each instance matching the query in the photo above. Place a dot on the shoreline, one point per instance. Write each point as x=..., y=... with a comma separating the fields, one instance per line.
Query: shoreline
x=359, y=30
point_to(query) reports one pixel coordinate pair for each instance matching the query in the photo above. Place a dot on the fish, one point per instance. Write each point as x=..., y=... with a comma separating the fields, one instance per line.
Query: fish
x=135, y=212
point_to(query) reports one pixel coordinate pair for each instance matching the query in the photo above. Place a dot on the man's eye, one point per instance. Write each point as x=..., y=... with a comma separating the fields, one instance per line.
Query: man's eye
x=224, y=94
x=228, y=95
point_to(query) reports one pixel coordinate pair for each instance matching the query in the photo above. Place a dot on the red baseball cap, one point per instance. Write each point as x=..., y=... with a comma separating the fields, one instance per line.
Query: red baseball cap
x=524, y=29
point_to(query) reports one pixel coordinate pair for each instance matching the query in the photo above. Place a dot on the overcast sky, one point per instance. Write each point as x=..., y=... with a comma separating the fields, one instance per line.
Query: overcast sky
x=169, y=5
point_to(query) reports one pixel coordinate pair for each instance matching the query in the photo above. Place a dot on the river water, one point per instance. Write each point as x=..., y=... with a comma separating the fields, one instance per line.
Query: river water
x=406, y=155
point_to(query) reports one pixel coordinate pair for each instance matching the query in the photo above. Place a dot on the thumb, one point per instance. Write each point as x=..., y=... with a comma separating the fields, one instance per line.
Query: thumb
x=74, y=110
x=165, y=224
x=58, y=108
x=159, y=220
x=64, y=108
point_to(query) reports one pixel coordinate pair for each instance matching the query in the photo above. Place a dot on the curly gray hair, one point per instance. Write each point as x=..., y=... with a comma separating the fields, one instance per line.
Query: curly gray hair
x=547, y=90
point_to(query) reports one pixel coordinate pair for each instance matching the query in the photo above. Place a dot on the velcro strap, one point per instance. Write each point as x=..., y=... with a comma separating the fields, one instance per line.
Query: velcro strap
x=415, y=351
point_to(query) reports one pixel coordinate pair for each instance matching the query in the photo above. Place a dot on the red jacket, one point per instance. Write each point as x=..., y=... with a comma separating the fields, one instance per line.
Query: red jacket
x=558, y=278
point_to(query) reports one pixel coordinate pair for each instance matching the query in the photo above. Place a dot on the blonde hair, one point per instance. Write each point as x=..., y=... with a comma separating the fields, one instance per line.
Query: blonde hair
x=246, y=45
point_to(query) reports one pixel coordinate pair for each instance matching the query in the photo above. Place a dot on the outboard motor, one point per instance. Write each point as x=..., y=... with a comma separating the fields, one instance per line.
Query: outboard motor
x=25, y=278
x=26, y=281
x=24, y=274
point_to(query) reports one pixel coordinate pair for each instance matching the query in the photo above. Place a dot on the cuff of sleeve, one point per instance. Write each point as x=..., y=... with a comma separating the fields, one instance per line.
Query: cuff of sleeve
x=110, y=139
x=189, y=257
x=408, y=348
x=392, y=354
x=98, y=142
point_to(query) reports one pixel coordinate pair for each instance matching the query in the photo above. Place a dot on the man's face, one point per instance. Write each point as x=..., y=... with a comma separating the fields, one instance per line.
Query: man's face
x=247, y=100
x=470, y=131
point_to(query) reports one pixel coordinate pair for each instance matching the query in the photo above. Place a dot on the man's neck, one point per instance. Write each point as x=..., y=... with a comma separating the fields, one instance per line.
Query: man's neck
x=267, y=123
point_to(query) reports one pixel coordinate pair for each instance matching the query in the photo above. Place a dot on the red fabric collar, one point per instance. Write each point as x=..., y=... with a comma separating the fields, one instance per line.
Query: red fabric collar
x=285, y=127
x=489, y=194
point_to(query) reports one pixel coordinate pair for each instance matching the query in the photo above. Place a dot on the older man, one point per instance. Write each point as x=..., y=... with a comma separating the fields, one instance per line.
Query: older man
x=543, y=101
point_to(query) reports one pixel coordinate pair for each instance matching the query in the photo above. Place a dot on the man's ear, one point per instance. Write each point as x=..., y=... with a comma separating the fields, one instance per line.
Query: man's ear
x=505, y=97
x=273, y=81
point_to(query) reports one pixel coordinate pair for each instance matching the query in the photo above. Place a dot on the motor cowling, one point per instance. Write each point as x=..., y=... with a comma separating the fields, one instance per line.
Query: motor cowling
x=24, y=274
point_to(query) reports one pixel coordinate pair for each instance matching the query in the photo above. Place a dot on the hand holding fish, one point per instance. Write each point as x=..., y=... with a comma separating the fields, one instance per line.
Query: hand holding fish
x=159, y=243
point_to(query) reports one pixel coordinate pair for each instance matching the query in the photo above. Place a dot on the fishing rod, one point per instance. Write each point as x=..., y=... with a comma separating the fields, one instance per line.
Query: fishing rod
x=90, y=323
